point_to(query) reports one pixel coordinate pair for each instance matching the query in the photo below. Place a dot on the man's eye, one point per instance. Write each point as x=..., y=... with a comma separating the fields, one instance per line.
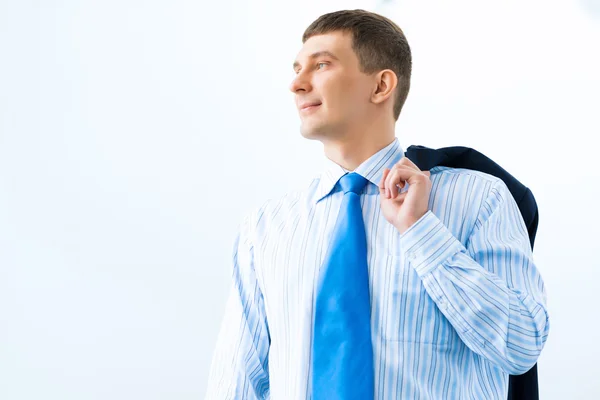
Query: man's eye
x=323, y=63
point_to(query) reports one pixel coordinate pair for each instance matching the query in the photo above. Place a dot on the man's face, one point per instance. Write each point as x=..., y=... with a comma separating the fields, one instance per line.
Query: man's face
x=328, y=75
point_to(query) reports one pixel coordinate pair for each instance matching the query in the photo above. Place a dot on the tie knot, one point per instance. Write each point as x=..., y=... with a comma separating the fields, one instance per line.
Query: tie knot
x=353, y=182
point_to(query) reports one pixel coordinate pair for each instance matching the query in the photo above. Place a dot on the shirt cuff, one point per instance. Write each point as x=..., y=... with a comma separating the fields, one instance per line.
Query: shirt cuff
x=427, y=243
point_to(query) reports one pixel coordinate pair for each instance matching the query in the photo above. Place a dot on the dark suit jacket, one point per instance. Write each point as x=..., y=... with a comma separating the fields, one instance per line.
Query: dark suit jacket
x=520, y=387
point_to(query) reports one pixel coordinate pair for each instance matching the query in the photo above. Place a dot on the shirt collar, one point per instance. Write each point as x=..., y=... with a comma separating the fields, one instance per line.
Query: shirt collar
x=371, y=169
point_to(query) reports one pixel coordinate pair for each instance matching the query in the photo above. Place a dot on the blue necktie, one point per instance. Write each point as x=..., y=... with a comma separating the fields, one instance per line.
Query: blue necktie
x=342, y=350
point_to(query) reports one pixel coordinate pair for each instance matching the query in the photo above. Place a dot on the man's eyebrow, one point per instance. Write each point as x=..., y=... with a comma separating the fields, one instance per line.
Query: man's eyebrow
x=318, y=54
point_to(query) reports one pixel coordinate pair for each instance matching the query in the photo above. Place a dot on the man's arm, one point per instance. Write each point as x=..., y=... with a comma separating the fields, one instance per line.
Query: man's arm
x=491, y=292
x=239, y=367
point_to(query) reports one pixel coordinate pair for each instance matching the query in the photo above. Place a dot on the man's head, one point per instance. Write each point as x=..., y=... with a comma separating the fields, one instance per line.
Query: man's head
x=356, y=64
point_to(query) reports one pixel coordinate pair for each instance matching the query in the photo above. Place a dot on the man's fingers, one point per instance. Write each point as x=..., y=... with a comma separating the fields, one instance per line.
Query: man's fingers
x=400, y=197
x=407, y=161
x=395, y=177
x=401, y=174
x=382, y=190
x=398, y=176
x=386, y=171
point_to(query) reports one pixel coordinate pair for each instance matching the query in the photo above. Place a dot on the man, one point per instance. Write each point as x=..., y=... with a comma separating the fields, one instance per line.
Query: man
x=450, y=303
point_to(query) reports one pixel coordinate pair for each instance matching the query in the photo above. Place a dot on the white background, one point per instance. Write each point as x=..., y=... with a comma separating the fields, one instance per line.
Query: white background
x=135, y=135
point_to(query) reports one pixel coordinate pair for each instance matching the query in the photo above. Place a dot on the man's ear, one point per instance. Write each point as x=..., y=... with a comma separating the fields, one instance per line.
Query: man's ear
x=385, y=83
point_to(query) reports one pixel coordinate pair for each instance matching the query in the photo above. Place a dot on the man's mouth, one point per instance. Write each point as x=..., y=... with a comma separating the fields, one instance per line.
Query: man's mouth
x=310, y=108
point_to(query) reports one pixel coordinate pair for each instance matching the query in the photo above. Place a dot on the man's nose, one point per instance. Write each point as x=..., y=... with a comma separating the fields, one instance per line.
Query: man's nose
x=300, y=82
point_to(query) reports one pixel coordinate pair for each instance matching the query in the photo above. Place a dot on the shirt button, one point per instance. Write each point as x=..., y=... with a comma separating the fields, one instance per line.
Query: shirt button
x=411, y=255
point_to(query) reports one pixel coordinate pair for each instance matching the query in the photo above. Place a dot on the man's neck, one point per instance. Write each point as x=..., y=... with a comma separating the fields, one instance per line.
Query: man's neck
x=350, y=154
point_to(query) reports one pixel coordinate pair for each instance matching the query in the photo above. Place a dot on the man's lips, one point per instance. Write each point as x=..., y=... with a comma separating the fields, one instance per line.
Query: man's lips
x=309, y=107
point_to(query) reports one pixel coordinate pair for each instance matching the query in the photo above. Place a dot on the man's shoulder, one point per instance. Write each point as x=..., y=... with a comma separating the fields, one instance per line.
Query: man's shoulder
x=288, y=204
x=480, y=185
x=467, y=179
x=464, y=173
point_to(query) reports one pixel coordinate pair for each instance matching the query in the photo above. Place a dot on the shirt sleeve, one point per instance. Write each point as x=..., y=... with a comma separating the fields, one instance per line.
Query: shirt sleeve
x=239, y=368
x=490, y=291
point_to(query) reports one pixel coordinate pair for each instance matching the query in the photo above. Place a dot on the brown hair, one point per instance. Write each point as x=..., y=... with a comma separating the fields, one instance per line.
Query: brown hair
x=377, y=41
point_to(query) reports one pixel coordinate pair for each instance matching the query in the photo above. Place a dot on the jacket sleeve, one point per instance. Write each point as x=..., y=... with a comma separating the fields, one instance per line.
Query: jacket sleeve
x=239, y=369
x=489, y=289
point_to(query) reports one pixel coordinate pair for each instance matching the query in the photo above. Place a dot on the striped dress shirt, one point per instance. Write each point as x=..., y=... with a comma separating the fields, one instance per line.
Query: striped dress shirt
x=457, y=303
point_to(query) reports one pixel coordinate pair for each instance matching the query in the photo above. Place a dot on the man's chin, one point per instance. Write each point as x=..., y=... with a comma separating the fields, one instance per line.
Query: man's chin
x=312, y=132
x=308, y=135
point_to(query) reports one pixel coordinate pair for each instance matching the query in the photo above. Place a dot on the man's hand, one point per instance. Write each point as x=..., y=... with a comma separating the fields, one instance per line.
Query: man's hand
x=404, y=209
